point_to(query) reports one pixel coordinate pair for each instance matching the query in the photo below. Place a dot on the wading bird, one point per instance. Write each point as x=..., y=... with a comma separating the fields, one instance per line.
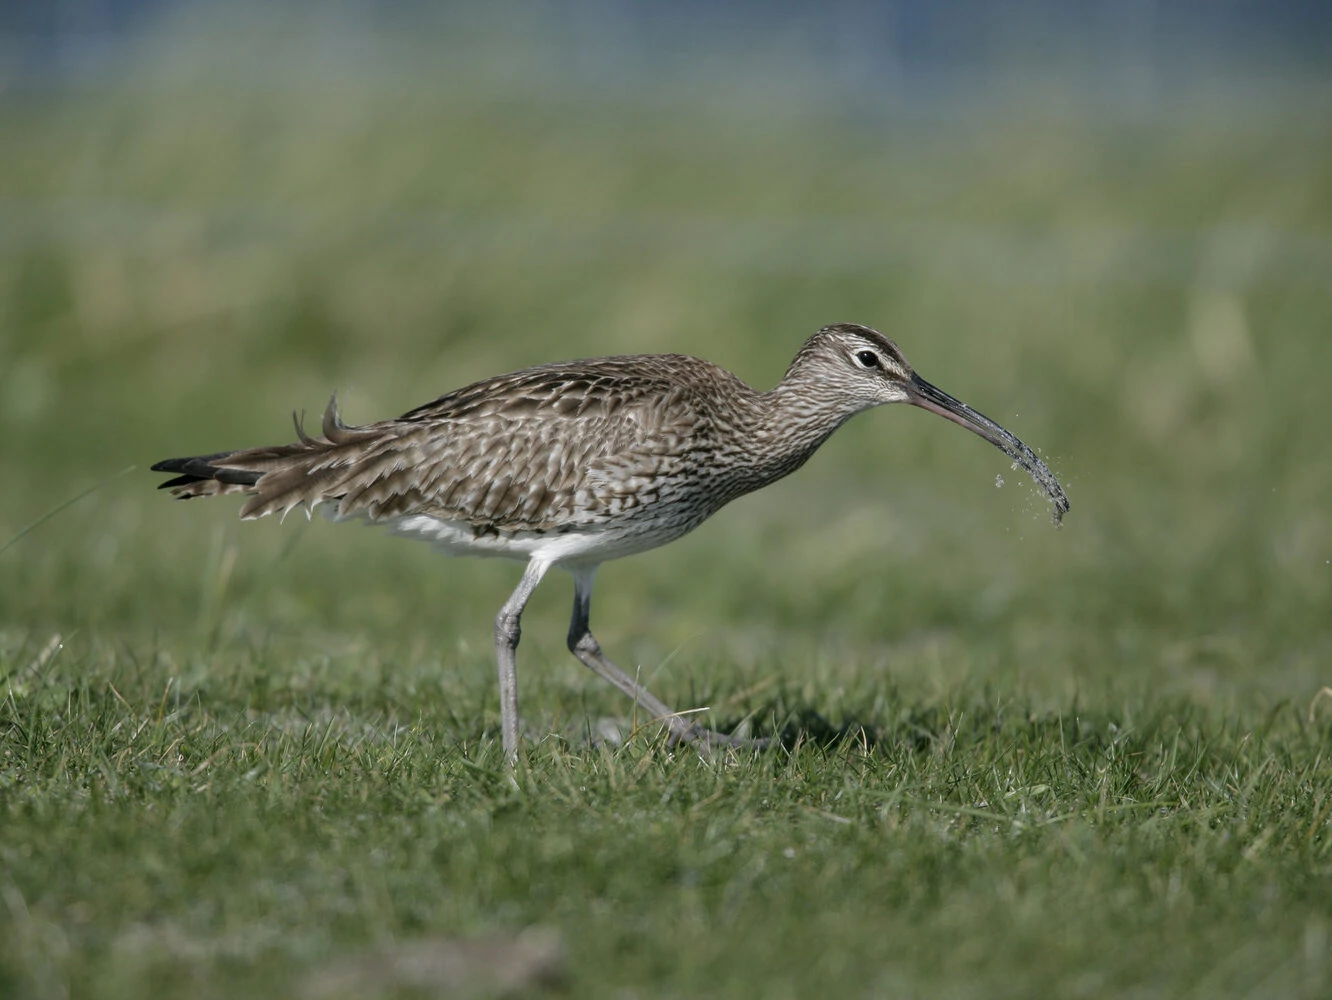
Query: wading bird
x=575, y=463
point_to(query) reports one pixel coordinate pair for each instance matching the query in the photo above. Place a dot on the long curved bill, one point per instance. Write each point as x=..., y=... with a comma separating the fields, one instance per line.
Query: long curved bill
x=934, y=399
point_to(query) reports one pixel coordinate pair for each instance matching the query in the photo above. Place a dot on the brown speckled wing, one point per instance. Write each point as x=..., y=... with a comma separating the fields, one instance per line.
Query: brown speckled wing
x=555, y=446
x=559, y=445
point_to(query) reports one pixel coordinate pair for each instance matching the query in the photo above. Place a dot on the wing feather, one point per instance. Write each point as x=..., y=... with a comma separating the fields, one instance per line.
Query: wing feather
x=542, y=448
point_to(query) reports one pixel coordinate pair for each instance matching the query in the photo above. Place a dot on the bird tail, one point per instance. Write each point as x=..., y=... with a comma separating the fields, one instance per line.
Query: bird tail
x=309, y=472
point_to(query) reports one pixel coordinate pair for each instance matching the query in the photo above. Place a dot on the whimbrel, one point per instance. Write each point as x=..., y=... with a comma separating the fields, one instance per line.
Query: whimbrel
x=576, y=463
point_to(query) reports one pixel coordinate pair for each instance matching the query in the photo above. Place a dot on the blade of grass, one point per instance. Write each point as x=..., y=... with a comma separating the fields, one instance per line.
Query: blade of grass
x=61, y=506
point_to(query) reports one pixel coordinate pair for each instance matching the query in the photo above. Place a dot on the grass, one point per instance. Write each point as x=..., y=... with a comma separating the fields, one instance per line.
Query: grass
x=229, y=839
x=263, y=759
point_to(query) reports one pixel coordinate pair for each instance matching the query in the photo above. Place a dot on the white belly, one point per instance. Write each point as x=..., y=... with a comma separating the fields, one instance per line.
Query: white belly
x=590, y=545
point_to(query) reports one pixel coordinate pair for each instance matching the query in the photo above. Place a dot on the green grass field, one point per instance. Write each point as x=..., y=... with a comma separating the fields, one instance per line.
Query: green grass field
x=263, y=760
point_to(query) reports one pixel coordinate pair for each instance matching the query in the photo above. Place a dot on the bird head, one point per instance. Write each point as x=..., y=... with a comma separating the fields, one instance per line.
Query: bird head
x=863, y=368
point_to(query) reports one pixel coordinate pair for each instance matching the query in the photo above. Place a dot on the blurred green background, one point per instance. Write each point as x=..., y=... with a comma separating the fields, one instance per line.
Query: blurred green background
x=250, y=212
x=190, y=254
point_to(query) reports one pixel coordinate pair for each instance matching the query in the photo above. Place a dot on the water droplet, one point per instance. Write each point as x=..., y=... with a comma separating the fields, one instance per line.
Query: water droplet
x=998, y=482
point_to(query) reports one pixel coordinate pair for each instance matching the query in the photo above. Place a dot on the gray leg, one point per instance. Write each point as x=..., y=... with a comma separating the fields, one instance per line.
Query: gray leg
x=583, y=644
x=508, y=630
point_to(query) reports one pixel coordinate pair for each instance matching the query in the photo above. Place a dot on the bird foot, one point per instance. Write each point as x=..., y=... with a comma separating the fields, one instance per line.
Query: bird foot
x=612, y=731
x=709, y=739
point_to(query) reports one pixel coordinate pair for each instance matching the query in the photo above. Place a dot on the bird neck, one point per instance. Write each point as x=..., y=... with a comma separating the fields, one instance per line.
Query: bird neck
x=790, y=421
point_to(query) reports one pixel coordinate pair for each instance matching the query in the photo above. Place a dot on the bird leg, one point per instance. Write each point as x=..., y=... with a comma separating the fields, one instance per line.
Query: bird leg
x=583, y=644
x=508, y=630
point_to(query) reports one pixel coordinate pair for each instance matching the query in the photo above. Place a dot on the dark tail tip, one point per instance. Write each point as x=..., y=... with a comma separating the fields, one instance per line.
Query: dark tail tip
x=200, y=468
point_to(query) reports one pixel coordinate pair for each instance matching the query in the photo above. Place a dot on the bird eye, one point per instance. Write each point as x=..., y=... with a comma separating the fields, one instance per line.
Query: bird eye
x=868, y=359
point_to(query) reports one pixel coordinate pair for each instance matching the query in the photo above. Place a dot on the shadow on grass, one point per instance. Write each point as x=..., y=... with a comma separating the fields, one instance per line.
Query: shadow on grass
x=931, y=728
